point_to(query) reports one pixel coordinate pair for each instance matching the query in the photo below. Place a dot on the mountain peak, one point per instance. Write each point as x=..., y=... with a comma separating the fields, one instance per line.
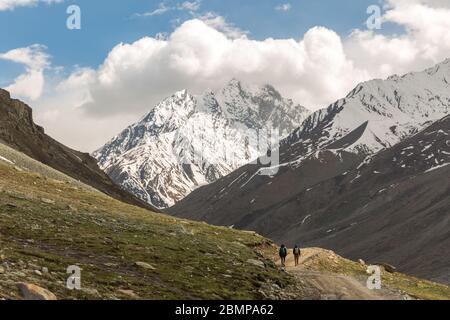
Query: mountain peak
x=233, y=83
x=446, y=61
x=241, y=88
x=4, y=95
x=392, y=109
x=17, y=111
x=145, y=158
x=18, y=130
x=234, y=86
x=181, y=94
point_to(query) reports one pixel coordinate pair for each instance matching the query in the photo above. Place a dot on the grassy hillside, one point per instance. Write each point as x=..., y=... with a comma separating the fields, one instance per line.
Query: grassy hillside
x=49, y=221
x=47, y=225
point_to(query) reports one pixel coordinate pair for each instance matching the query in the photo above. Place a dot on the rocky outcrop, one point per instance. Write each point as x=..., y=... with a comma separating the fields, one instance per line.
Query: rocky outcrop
x=18, y=130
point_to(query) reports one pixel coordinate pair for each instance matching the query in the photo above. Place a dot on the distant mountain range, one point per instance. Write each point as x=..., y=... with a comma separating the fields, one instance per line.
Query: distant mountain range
x=210, y=131
x=368, y=177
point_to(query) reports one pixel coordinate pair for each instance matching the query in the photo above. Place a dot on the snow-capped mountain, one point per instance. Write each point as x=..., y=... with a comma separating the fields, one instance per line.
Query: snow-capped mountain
x=188, y=141
x=385, y=207
x=367, y=177
x=376, y=114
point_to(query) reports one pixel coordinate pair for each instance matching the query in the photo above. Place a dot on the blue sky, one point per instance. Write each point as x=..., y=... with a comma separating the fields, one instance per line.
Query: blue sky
x=107, y=23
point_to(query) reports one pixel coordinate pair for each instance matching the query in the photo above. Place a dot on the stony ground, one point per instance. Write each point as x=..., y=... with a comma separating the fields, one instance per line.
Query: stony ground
x=49, y=222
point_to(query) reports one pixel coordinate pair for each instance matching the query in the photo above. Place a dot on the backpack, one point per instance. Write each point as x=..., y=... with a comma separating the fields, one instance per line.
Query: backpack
x=283, y=252
x=297, y=251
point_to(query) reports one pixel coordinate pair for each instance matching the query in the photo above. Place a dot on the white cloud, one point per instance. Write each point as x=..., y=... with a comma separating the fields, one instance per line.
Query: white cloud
x=315, y=70
x=284, y=7
x=426, y=41
x=12, y=4
x=30, y=84
x=60, y=113
x=163, y=7
x=207, y=52
x=190, y=5
x=219, y=23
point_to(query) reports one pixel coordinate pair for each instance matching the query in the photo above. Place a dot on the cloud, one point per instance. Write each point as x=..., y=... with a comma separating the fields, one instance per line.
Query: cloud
x=219, y=23
x=426, y=41
x=190, y=5
x=284, y=7
x=12, y=4
x=206, y=52
x=60, y=113
x=30, y=84
x=321, y=67
x=163, y=7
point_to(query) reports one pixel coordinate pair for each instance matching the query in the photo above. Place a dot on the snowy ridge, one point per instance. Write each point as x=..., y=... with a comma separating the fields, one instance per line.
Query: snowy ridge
x=378, y=113
x=209, y=133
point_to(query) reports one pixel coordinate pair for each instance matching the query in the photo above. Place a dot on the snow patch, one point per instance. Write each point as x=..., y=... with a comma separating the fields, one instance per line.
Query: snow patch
x=306, y=218
x=437, y=167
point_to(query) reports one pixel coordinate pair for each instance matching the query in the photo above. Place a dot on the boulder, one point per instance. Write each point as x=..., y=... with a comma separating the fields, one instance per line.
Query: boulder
x=145, y=265
x=389, y=268
x=257, y=263
x=30, y=291
x=47, y=201
x=129, y=293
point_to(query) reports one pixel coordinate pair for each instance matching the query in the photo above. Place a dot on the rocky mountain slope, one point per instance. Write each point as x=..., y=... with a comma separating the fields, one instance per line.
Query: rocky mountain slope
x=375, y=115
x=188, y=141
x=125, y=252
x=18, y=130
x=320, y=197
x=50, y=222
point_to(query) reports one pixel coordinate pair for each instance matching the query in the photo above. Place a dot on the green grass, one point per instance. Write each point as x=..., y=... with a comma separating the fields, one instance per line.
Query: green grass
x=106, y=238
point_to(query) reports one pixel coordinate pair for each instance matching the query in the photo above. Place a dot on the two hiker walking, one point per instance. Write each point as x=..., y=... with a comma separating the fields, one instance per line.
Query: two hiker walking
x=284, y=253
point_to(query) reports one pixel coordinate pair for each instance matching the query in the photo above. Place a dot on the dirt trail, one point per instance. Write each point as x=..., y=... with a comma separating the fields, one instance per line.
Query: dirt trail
x=330, y=286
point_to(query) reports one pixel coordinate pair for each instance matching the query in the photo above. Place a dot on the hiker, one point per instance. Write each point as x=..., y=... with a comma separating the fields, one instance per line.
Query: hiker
x=283, y=255
x=297, y=253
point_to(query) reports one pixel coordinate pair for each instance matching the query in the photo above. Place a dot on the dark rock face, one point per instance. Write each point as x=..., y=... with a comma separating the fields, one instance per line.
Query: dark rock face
x=18, y=131
x=392, y=206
